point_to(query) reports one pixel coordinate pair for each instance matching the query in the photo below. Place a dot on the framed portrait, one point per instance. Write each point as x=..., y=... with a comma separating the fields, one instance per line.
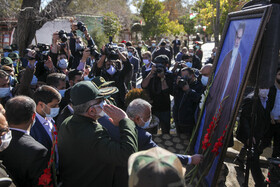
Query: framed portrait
x=238, y=48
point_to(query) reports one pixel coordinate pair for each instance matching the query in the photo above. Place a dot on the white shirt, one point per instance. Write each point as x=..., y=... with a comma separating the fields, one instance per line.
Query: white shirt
x=275, y=113
x=21, y=130
x=47, y=124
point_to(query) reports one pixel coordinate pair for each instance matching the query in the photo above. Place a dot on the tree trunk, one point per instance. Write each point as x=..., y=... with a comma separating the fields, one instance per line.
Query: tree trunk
x=30, y=19
x=217, y=25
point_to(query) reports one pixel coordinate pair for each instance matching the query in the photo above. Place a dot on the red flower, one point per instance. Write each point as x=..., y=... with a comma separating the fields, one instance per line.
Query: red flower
x=219, y=143
x=45, y=178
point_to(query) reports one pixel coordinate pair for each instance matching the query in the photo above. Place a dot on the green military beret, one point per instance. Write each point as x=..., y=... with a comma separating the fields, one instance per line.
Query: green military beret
x=85, y=91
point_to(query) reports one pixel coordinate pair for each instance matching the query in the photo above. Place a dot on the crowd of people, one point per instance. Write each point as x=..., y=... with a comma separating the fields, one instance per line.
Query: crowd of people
x=65, y=120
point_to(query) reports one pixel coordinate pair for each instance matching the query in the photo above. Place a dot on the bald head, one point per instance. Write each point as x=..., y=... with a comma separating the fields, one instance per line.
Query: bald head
x=206, y=70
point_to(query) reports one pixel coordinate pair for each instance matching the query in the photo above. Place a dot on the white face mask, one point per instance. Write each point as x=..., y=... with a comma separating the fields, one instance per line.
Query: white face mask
x=63, y=64
x=191, y=54
x=112, y=70
x=6, y=139
x=263, y=92
x=146, y=61
x=204, y=80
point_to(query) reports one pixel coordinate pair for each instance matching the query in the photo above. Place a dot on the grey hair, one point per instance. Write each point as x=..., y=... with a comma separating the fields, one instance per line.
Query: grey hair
x=82, y=108
x=137, y=107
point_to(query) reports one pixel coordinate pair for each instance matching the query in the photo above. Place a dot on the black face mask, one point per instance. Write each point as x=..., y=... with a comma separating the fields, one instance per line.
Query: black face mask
x=278, y=81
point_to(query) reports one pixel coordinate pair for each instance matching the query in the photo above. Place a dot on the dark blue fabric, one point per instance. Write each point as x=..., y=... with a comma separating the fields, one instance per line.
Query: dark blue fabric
x=39, y=133
x=144, y=138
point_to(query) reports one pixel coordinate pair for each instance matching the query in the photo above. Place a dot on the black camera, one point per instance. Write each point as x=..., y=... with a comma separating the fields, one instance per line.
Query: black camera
x=94, y=52
x=183, y=81
x=81, y=26
x=111, y=50
x=42, y=52
x=159, y=68
x=63, y=35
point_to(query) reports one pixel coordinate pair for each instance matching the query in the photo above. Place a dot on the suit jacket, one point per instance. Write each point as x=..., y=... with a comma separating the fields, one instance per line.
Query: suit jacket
x=87, y=154
x=261, y=123
x=25, y=159
x=39, y=133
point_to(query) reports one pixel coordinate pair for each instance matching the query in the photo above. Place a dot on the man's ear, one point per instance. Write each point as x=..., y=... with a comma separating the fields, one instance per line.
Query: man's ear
x=33, y=116
x=91, y=111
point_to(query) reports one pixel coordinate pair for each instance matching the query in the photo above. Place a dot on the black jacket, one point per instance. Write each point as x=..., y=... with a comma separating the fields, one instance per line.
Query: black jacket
x=25, y=159
x=160, y=98
x=119, y=81
x=185, y=103
x=262, y=120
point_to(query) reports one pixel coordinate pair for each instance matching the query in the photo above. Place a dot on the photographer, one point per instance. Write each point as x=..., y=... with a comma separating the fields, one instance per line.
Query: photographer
x=187, y=93
x=159, y=83
x=109, y=67
x=60, y=52
x=76, y=44
x=38, y=57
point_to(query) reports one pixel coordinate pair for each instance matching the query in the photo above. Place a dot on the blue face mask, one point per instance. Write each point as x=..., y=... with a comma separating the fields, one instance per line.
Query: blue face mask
x=86, y=78
x=6, y=54
x=129, y=54
x=53, y=112
x=4, y=92
x=147, y=123
x=62, y=92
x=204, y=80
x=34, y=80
x=112, y=70
x=189, y=64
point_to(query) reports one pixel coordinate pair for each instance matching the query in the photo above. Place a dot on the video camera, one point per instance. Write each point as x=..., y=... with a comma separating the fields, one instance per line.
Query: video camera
x=42, y=52
x=111, y=50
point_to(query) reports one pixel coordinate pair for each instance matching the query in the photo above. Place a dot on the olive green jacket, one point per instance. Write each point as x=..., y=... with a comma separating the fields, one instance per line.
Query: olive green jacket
x=88, y=156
